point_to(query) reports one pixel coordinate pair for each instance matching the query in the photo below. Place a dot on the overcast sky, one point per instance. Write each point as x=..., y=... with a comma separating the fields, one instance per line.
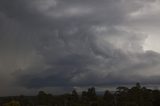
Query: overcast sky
x=58, y=45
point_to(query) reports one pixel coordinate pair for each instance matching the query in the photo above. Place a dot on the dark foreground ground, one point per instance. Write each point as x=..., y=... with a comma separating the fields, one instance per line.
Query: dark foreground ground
x=134, y=96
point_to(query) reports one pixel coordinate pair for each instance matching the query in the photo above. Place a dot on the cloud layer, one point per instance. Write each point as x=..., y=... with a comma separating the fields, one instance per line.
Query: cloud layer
x=75, y=43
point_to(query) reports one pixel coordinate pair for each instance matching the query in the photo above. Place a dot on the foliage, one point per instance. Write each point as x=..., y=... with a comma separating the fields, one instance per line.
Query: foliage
x=12, y=103
x=123, y=96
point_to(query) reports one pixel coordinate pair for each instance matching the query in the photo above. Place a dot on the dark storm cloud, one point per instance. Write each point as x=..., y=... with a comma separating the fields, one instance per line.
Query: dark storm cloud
x=58, y=43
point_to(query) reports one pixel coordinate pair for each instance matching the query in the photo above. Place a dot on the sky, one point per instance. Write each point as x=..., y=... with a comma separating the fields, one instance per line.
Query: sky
x=60, y=45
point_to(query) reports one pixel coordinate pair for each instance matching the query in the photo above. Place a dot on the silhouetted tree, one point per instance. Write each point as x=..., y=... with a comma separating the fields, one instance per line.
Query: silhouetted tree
x=44, y=98
x=91, y=94
x=108, y=98
x=123, y=96
x=75, y=95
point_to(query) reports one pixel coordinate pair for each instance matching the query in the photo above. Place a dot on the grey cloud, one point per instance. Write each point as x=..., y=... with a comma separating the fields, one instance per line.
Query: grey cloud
x=53, y=48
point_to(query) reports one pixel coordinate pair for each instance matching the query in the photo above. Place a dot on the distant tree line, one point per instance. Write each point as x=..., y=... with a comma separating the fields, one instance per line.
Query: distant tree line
x=123, y=96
